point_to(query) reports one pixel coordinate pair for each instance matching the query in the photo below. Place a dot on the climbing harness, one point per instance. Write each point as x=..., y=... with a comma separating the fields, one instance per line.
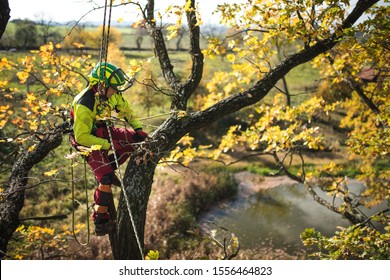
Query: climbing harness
x=73, y=201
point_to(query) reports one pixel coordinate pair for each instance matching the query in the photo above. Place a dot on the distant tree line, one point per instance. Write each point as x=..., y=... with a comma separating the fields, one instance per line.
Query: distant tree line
x=27, y=34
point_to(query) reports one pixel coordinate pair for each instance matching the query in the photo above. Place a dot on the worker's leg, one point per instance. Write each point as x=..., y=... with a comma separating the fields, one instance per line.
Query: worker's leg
x=101, y=167
x=101, y=217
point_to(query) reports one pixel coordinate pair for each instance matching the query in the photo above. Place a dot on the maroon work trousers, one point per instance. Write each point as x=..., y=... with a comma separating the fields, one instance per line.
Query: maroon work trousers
x=102, y=162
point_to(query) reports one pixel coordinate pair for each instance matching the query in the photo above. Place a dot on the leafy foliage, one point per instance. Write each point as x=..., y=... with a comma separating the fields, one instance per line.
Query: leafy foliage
x=152, y=255
x=355, y=242
x=35, y=242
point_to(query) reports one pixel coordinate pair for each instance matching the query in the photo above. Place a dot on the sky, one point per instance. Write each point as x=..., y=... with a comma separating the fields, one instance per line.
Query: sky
x=70, y=10
x=73, y=10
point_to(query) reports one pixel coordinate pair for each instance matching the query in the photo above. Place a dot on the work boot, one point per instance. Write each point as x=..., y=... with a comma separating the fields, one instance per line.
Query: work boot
x=101, y=217
x=106, y=228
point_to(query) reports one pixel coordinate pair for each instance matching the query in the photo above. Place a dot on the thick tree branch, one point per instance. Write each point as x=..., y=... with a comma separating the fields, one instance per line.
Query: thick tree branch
x=160, y=47
x=11, y=206
x=183, y=91
x=356, y=87
x=197, y=57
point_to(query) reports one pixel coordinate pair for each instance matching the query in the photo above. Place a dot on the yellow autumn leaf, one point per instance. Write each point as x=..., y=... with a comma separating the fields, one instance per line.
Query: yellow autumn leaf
x=33, y=125
x=51, y=172
x=231, y=57
x=3, y=83
x=32, y=148
x=172, y=32
x=77, y=45
x=181, y=114
x=4, y=63
x=96, y=147
x=22, y=75
x=30, y=97
x=187, y=6
x=134, y=67
x=152, y=255
x=3, y=109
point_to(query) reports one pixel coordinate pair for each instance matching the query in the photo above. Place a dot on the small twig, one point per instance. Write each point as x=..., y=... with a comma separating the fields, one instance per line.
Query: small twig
x=55, y=217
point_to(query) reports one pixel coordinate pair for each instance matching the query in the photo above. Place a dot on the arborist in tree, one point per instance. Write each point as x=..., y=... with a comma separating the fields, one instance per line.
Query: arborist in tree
x=96, y=102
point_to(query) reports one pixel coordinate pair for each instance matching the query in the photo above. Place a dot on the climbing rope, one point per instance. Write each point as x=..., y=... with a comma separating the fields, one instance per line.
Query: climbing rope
x=105, y=37
x=103, y=56
x=113, y=118
x=73, y=201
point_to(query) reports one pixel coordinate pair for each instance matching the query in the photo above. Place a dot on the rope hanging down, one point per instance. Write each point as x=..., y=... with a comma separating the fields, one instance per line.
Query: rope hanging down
x=73, y=201
x=103, y=55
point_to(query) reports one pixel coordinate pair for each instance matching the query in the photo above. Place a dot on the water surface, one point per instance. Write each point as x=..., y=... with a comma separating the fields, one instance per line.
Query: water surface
x=272, y=217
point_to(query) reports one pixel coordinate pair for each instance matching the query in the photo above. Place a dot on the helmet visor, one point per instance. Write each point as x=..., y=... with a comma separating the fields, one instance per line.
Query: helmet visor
x=119, y=80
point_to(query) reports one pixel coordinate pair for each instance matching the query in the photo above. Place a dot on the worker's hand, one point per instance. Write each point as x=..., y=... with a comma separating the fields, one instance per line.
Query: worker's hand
x=139, y=135
x=117, y=145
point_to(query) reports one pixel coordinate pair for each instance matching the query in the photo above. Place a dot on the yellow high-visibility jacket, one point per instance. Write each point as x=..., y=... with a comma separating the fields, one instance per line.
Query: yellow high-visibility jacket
x=88, y=108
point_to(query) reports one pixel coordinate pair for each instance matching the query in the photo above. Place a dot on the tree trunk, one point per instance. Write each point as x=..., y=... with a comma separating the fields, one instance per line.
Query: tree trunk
x=4, y=15
x=138, y=181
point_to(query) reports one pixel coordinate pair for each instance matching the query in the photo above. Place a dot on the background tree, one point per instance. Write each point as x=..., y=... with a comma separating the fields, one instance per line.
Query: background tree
x=26, y=34
x=46, y=29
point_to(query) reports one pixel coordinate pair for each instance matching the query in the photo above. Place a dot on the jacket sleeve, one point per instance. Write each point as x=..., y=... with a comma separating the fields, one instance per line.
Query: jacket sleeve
x=82, y=128
x=124, y=111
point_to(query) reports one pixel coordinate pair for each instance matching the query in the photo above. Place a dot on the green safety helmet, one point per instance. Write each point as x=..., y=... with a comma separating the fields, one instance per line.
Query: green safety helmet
x=111, y=76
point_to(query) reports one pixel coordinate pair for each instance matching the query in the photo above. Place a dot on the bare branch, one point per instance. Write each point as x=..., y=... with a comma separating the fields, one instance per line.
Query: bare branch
x=54, y=217
x=155, y=87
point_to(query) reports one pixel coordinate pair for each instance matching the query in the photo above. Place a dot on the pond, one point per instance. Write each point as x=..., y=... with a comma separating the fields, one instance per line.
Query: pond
x=272, y=213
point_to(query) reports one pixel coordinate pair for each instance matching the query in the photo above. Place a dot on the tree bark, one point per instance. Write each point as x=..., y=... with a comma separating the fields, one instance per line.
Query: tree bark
x=4, y=15
x=12, y=199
